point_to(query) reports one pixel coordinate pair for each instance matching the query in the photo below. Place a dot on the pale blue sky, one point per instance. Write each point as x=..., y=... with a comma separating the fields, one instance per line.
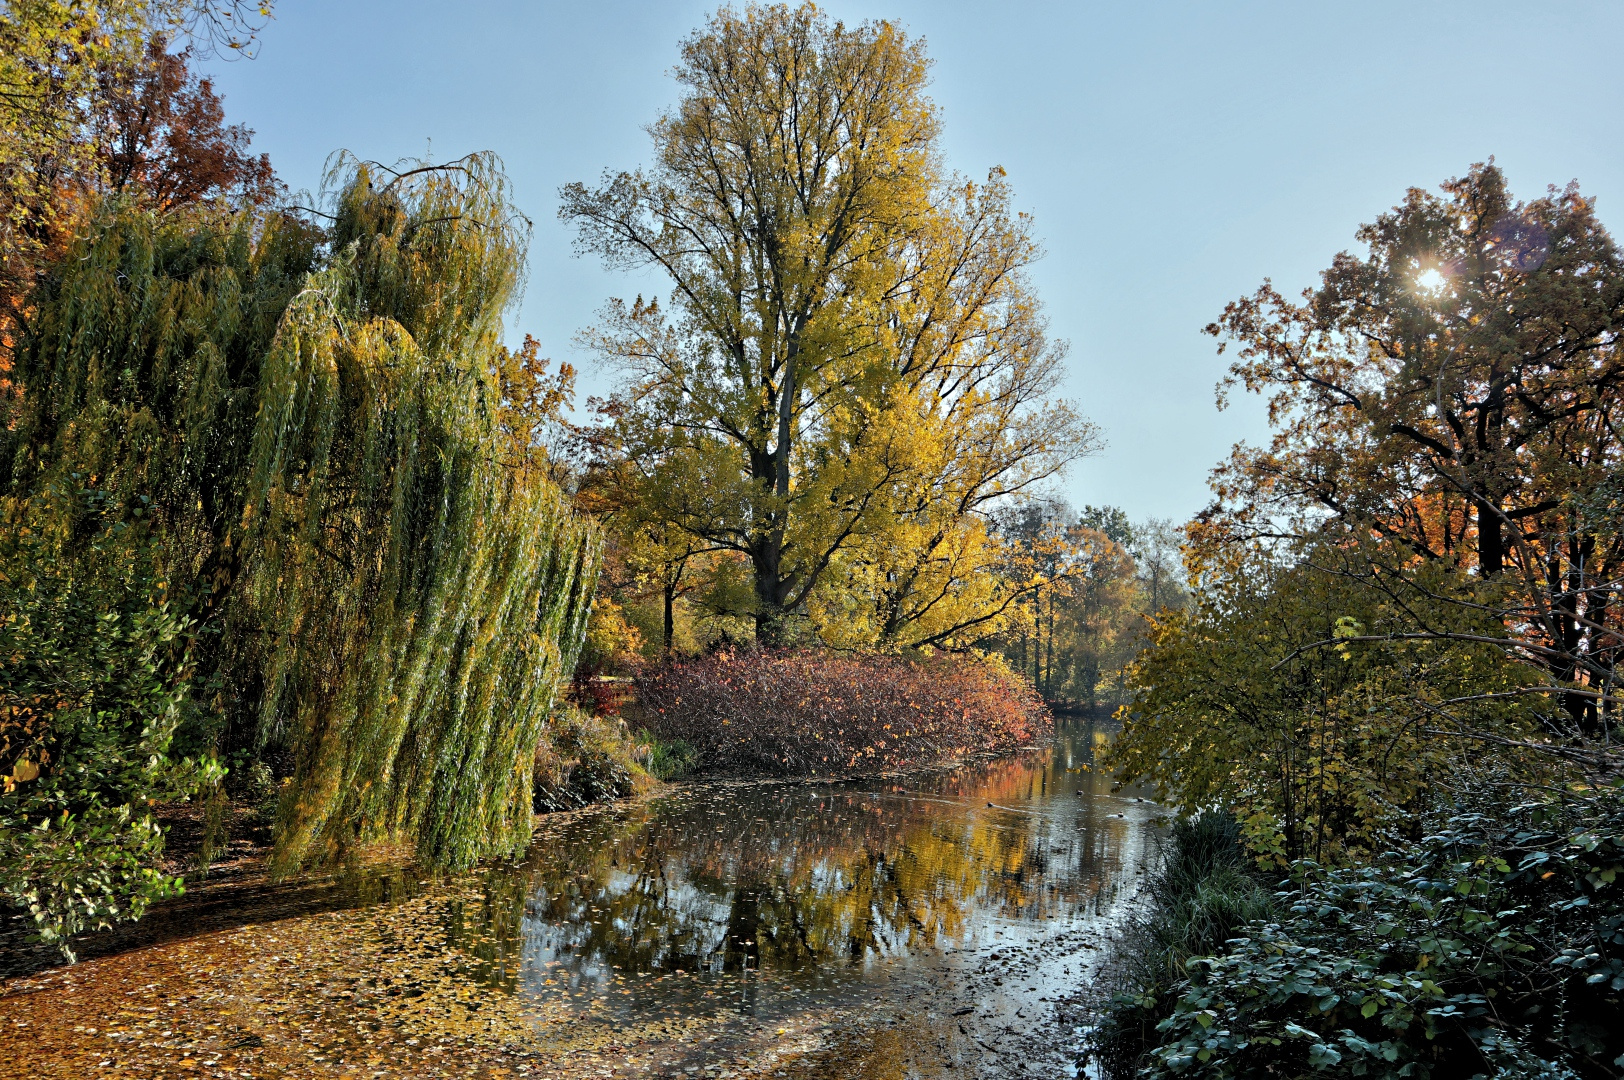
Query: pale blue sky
x=1174, y=154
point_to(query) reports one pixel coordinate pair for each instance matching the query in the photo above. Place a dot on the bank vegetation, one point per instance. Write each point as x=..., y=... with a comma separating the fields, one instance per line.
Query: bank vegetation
x=1397, y=676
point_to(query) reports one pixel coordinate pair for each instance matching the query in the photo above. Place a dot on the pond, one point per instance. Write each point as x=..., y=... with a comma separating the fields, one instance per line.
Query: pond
x=749, y=891
x=723, y=927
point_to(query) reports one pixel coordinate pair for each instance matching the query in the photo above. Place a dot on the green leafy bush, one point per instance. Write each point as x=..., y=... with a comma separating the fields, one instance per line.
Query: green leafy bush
x=92, y=687
x=1321, y=751
x=667, y=759
x=1494, y=947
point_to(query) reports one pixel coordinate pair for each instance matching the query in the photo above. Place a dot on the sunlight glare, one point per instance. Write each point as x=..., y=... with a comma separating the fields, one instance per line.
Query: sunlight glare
x=1431, y=280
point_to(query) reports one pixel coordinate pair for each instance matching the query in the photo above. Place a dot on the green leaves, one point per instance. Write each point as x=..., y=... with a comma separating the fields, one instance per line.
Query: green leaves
x=375, y=572
x=93, y=685
x=1258, y=700
x=422, y=599
x=1346, y=627
x=1389, y=970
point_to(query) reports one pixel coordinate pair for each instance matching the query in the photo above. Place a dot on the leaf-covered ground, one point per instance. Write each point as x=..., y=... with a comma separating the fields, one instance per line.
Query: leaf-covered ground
x=344, y=994
x=347, y=994
x=384, y=991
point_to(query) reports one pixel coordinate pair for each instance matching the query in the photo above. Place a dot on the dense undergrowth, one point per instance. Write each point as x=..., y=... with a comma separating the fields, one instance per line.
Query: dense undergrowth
x=586, y=759
x=802, y=712
x=1493, y=947
x=92, y=693
x=666, y=759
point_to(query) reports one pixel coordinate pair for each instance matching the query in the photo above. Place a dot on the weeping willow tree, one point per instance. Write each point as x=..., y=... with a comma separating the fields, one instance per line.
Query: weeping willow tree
x=422, y=599
x=310, y=419
x=140, y=361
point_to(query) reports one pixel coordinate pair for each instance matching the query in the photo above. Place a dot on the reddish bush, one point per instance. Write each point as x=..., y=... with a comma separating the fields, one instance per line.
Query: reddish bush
x=802, y=711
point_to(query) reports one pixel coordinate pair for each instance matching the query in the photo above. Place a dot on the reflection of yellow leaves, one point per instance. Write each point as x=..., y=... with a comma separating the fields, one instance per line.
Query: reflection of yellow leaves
x=336, y=984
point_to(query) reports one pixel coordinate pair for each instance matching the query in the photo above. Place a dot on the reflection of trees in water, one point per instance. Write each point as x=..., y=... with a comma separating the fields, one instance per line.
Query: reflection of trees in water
x=788, y=877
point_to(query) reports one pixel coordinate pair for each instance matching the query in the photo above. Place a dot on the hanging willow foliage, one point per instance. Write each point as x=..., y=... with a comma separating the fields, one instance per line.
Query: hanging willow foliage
x=140, y=361
x=140, y=367
x=313, y=414
x=398, y=566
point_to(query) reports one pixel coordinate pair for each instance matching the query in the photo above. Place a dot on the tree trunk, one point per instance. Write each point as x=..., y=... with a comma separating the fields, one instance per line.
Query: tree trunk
x=1048, y=661
x=769, y=607
x=670, y=615
x=1491, y=551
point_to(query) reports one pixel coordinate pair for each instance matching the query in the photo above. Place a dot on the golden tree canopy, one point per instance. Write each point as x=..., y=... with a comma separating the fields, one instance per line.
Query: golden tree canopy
x=852, y=359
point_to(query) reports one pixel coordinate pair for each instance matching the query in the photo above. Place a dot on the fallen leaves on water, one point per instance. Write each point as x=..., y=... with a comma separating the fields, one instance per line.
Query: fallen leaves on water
x=372, y=992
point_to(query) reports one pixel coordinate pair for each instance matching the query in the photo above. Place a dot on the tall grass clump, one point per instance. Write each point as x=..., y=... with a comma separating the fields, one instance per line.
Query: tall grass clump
x=587, y=759
x=1203, y=892
x=668, y=759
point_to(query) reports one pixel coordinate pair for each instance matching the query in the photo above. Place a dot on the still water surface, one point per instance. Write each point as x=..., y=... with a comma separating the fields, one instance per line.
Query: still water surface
x=931, y=925
x=773, y=897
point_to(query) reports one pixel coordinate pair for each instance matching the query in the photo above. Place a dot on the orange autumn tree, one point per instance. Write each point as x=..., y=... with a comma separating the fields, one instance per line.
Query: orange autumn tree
x=93, y=103
x=158, y=132
x=1416, y=585
x=1458, y=394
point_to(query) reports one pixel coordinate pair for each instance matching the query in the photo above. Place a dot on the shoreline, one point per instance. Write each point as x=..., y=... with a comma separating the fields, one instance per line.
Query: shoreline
x=238, y=888
x=281, y=979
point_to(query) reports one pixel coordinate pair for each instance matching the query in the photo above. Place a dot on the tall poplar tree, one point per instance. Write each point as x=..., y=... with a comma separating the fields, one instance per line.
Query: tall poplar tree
x=851, y=354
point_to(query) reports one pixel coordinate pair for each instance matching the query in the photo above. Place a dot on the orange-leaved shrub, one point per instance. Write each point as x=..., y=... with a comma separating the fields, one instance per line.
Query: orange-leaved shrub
x=800, y=711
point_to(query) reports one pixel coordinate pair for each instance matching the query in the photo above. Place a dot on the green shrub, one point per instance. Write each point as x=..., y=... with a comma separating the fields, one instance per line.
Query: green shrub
x=667, y=759
x=1494, y=948
x=92, y=688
